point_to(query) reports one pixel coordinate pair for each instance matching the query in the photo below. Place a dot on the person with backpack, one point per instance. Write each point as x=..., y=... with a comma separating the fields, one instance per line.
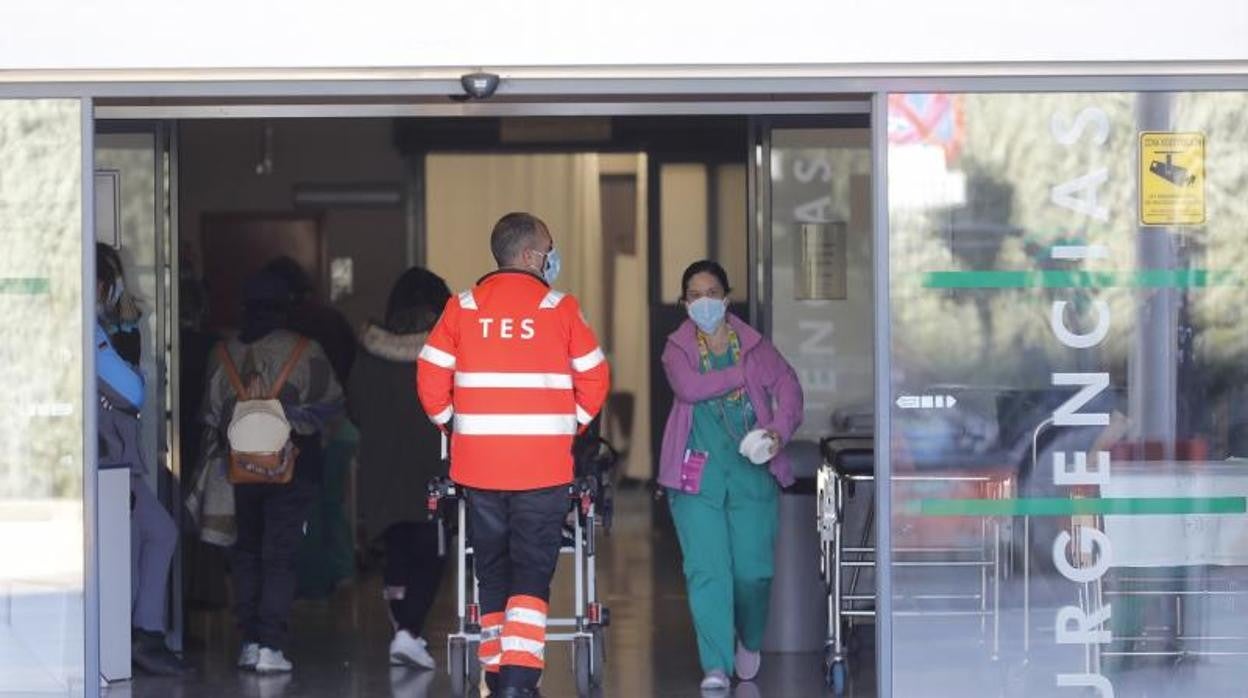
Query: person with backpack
x=269, y=395
x=153, y=533
x=399, y=455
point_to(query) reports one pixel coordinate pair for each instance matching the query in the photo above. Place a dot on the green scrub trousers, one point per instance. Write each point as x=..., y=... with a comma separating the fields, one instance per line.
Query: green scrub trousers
x=727, y=534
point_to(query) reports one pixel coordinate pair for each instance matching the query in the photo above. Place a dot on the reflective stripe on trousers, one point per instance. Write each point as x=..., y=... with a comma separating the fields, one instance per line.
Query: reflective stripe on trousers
x=524, y=632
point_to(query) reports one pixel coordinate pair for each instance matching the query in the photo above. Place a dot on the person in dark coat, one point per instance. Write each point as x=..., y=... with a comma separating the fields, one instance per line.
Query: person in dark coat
x=399, y=453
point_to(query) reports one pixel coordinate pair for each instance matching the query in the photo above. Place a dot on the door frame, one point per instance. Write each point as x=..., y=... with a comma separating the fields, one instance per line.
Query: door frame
x=552, y=96
x=166, y=341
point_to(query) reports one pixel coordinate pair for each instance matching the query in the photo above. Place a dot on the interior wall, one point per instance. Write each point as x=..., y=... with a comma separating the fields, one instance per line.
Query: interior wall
x=467, y=193
x=732, y=238
x=684, y=218
x=218, y=173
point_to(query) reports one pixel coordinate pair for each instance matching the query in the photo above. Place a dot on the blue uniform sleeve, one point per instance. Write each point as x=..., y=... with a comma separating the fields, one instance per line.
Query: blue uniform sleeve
x=122, y=377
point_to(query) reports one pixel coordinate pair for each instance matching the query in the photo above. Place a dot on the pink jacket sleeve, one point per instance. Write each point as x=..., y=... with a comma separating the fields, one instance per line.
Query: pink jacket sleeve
x=691, y=385
x=786, y=393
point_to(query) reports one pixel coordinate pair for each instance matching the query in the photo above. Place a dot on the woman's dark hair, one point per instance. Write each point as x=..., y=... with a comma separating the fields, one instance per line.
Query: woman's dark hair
x=294, y=274
x=704, y=266
x=107, y=265
x=416, y=301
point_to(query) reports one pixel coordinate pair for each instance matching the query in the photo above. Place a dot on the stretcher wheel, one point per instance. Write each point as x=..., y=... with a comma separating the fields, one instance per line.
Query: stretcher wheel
x=463, y=665
x=837, y=675
x=589, y=660
x=600, y=654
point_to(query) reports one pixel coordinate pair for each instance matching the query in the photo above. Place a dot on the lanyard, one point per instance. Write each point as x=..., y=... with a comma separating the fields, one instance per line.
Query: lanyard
x=736, y=396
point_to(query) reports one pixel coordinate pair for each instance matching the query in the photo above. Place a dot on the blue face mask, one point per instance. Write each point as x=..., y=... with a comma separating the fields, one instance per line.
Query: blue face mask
x=708, y=313
x=550, y=270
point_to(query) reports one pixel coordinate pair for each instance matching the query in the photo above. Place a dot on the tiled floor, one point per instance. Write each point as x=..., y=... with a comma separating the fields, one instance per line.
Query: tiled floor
x=340, y=645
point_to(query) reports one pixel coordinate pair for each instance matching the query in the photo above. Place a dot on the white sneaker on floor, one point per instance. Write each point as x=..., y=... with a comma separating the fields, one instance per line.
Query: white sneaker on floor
x=748, y=663
x=406, y=650
x=716, y=681
x=273, y=662
x=249, y=656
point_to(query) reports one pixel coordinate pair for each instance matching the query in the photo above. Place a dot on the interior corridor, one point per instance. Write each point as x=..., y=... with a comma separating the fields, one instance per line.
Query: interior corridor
x=339, y=646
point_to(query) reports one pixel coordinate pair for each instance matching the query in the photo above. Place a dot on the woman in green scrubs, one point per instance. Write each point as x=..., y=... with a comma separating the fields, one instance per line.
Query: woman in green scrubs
x=737, y=401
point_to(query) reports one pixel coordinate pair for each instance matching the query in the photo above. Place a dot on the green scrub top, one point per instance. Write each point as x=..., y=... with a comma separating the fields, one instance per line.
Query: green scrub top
x=719, y=424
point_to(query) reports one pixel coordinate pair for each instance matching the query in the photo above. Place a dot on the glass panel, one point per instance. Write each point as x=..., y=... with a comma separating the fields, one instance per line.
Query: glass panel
x=126, y=163
x=821, y=272
x=1068, y=362
x=41, y=339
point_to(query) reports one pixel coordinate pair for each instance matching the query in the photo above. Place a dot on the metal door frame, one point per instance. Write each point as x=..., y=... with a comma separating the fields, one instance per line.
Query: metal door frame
x=573, y=96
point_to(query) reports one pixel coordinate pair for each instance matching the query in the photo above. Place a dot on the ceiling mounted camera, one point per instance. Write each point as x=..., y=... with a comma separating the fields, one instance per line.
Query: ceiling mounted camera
x=480, y=85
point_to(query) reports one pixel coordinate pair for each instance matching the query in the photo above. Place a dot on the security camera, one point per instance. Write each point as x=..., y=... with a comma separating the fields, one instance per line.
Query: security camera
x=480, y=85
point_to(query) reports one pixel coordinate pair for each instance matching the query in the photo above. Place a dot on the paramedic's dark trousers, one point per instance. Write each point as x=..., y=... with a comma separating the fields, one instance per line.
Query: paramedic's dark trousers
x=516, y=538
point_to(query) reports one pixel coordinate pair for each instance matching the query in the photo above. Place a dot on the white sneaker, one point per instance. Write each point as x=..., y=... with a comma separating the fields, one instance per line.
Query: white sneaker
x=273, y=662
x=406, y=650
x=748, y=663
x=249, y=656
x=716, y=681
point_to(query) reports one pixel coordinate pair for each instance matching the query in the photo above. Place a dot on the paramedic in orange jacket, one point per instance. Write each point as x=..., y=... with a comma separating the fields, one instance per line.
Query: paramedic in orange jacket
x=513, y=370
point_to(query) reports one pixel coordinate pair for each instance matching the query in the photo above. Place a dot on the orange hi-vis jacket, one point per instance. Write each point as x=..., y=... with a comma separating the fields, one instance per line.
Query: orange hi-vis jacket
x=515, y=369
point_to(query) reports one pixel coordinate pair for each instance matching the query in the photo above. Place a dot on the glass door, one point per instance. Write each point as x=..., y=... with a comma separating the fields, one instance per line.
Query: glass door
x=1067, y=364
x=46, y=479
x=812, y=293
x=132, y=203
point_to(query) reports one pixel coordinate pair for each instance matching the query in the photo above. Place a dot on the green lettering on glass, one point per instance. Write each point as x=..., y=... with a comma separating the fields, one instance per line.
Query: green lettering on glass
x=1062, y=506
x=1065, y=278
x=19, y=286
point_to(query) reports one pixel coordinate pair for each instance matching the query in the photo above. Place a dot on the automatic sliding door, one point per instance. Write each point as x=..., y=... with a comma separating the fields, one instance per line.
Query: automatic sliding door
x=43, y=476
x=1068, y=372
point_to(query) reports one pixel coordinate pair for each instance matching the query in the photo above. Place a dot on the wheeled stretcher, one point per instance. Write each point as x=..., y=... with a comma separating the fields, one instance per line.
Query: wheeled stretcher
x=590, y=501
x=847, y=464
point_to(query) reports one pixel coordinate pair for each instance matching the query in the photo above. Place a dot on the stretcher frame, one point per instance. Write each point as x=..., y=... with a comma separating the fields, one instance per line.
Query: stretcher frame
x=844, y=607
x=585, y=630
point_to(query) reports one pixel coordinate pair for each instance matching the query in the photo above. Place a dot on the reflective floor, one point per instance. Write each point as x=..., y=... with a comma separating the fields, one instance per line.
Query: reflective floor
x=339, y=647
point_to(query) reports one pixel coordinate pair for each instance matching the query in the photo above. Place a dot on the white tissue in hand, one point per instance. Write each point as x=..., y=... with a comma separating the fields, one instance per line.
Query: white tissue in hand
x=758, y=446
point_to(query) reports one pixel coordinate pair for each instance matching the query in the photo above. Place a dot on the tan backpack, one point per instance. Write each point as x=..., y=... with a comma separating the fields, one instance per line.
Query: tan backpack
x=261, y=451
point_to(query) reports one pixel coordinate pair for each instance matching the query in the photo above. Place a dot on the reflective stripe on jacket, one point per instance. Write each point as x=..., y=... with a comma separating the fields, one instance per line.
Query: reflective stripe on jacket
x=515, y=372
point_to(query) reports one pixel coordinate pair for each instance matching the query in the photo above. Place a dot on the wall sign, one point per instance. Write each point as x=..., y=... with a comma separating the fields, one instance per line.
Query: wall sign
x=1172, y=178
x=108, y=207
x=822, y=265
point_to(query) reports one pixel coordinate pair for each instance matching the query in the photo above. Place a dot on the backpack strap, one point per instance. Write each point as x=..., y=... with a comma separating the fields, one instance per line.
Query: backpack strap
x=282, y=377
x=231, y=371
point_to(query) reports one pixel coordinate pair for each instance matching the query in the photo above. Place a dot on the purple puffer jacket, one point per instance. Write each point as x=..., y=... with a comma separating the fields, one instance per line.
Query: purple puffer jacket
x=769, y=380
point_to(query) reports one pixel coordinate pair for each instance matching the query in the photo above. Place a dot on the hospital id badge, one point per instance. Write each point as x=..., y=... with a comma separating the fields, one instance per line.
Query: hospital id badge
x=691, y=470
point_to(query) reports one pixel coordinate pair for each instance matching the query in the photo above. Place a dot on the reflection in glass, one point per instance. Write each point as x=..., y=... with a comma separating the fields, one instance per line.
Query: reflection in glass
x=1073, y=520
x=822, y=304
x=41, y=464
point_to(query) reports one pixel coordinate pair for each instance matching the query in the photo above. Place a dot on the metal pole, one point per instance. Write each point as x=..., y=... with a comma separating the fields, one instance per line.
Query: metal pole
x=883, y=399
x=90, y=457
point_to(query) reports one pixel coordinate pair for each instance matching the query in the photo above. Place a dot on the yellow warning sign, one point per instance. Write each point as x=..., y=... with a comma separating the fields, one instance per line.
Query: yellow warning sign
x=1172, y=178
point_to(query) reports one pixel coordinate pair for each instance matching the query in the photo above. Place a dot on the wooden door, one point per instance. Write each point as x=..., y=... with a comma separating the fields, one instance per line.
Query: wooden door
x=237, y=245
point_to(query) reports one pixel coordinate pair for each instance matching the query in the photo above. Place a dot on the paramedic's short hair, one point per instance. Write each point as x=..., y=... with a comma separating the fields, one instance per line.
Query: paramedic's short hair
x=513, y=234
